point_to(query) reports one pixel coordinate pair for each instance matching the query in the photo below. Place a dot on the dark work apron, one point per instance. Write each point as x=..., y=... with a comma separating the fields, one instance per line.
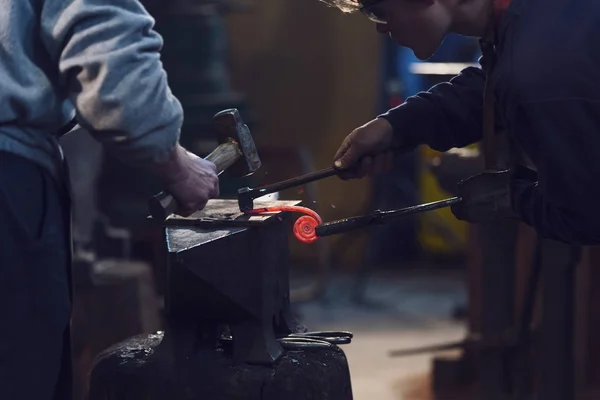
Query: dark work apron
x=64, y=385
x=500, y=150
x=41, y=288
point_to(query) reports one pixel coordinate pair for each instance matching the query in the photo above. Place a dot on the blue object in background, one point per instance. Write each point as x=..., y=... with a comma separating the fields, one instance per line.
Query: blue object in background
x=455, y=48
x=411, y=83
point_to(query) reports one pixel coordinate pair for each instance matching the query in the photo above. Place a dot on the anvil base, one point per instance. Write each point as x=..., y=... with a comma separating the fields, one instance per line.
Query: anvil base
x=140, y=368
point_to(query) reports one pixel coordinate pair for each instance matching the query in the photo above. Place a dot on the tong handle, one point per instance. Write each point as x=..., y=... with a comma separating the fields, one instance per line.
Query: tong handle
x=353, y=223
x=345, y=225
x=297, y=181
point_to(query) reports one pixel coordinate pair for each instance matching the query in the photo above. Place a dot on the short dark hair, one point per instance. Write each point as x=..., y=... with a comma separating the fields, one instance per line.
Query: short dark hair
x=344, y=5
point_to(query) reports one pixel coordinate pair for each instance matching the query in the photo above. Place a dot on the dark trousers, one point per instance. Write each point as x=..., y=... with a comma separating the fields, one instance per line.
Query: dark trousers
x=35, y=300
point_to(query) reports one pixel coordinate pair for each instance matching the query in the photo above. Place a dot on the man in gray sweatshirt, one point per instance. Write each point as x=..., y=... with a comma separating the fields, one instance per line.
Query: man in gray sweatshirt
x=97, y=61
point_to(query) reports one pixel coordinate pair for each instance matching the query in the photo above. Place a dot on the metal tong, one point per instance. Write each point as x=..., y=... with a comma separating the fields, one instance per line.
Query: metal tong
x=379, y=217
x=246, y=197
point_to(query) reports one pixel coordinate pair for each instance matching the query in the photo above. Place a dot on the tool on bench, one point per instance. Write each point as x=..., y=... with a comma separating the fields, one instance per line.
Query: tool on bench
x=236, y=152
x=307, y=340
x=327, y=336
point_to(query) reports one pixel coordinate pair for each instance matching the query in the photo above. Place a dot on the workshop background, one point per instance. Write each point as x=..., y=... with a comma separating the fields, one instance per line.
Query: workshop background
x=303, y=77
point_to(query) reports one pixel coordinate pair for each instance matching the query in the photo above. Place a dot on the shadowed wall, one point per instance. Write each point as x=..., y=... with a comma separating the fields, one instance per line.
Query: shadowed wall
x=311, y=75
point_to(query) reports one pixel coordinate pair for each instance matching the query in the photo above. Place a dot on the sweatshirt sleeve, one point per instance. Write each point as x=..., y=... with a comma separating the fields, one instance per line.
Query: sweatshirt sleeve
x=447, y=115
x=561, y=204
x=108, y=57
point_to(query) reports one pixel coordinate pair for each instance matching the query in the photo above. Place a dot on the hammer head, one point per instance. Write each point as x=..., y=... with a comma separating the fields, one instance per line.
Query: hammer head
x=229, y=126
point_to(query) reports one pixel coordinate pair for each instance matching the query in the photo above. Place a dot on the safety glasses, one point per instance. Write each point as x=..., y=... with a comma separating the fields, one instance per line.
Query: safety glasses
x=371, y=10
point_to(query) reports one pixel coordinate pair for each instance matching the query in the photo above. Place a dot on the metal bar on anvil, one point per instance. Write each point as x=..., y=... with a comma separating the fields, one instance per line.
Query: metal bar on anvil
x=377, y=217
x=223, y=212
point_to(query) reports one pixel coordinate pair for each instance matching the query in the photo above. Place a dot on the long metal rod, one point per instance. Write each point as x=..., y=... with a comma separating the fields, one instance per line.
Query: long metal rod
x=415, y=351
x=349, y=224
x=419, y=208
x=290, y=183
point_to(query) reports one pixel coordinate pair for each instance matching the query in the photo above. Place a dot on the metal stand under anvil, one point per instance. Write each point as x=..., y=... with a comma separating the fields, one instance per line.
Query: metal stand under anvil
x=230, y=333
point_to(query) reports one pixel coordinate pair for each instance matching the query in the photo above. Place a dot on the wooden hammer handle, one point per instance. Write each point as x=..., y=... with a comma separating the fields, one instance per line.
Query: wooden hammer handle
x=224, y=156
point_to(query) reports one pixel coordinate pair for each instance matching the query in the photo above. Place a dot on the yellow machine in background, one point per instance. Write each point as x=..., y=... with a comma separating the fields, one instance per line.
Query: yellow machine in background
x=439, y=232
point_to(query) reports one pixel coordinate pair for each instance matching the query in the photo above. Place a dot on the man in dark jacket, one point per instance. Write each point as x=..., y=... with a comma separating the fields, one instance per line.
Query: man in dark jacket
x=98, y=61
x=546, y=88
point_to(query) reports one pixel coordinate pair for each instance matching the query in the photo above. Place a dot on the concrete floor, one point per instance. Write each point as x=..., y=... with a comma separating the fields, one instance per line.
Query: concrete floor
x=411, y=309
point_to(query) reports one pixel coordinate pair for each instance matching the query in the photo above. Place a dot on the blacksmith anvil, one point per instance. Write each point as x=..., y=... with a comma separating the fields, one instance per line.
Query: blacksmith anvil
x=229, y=329
x=226, y=268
